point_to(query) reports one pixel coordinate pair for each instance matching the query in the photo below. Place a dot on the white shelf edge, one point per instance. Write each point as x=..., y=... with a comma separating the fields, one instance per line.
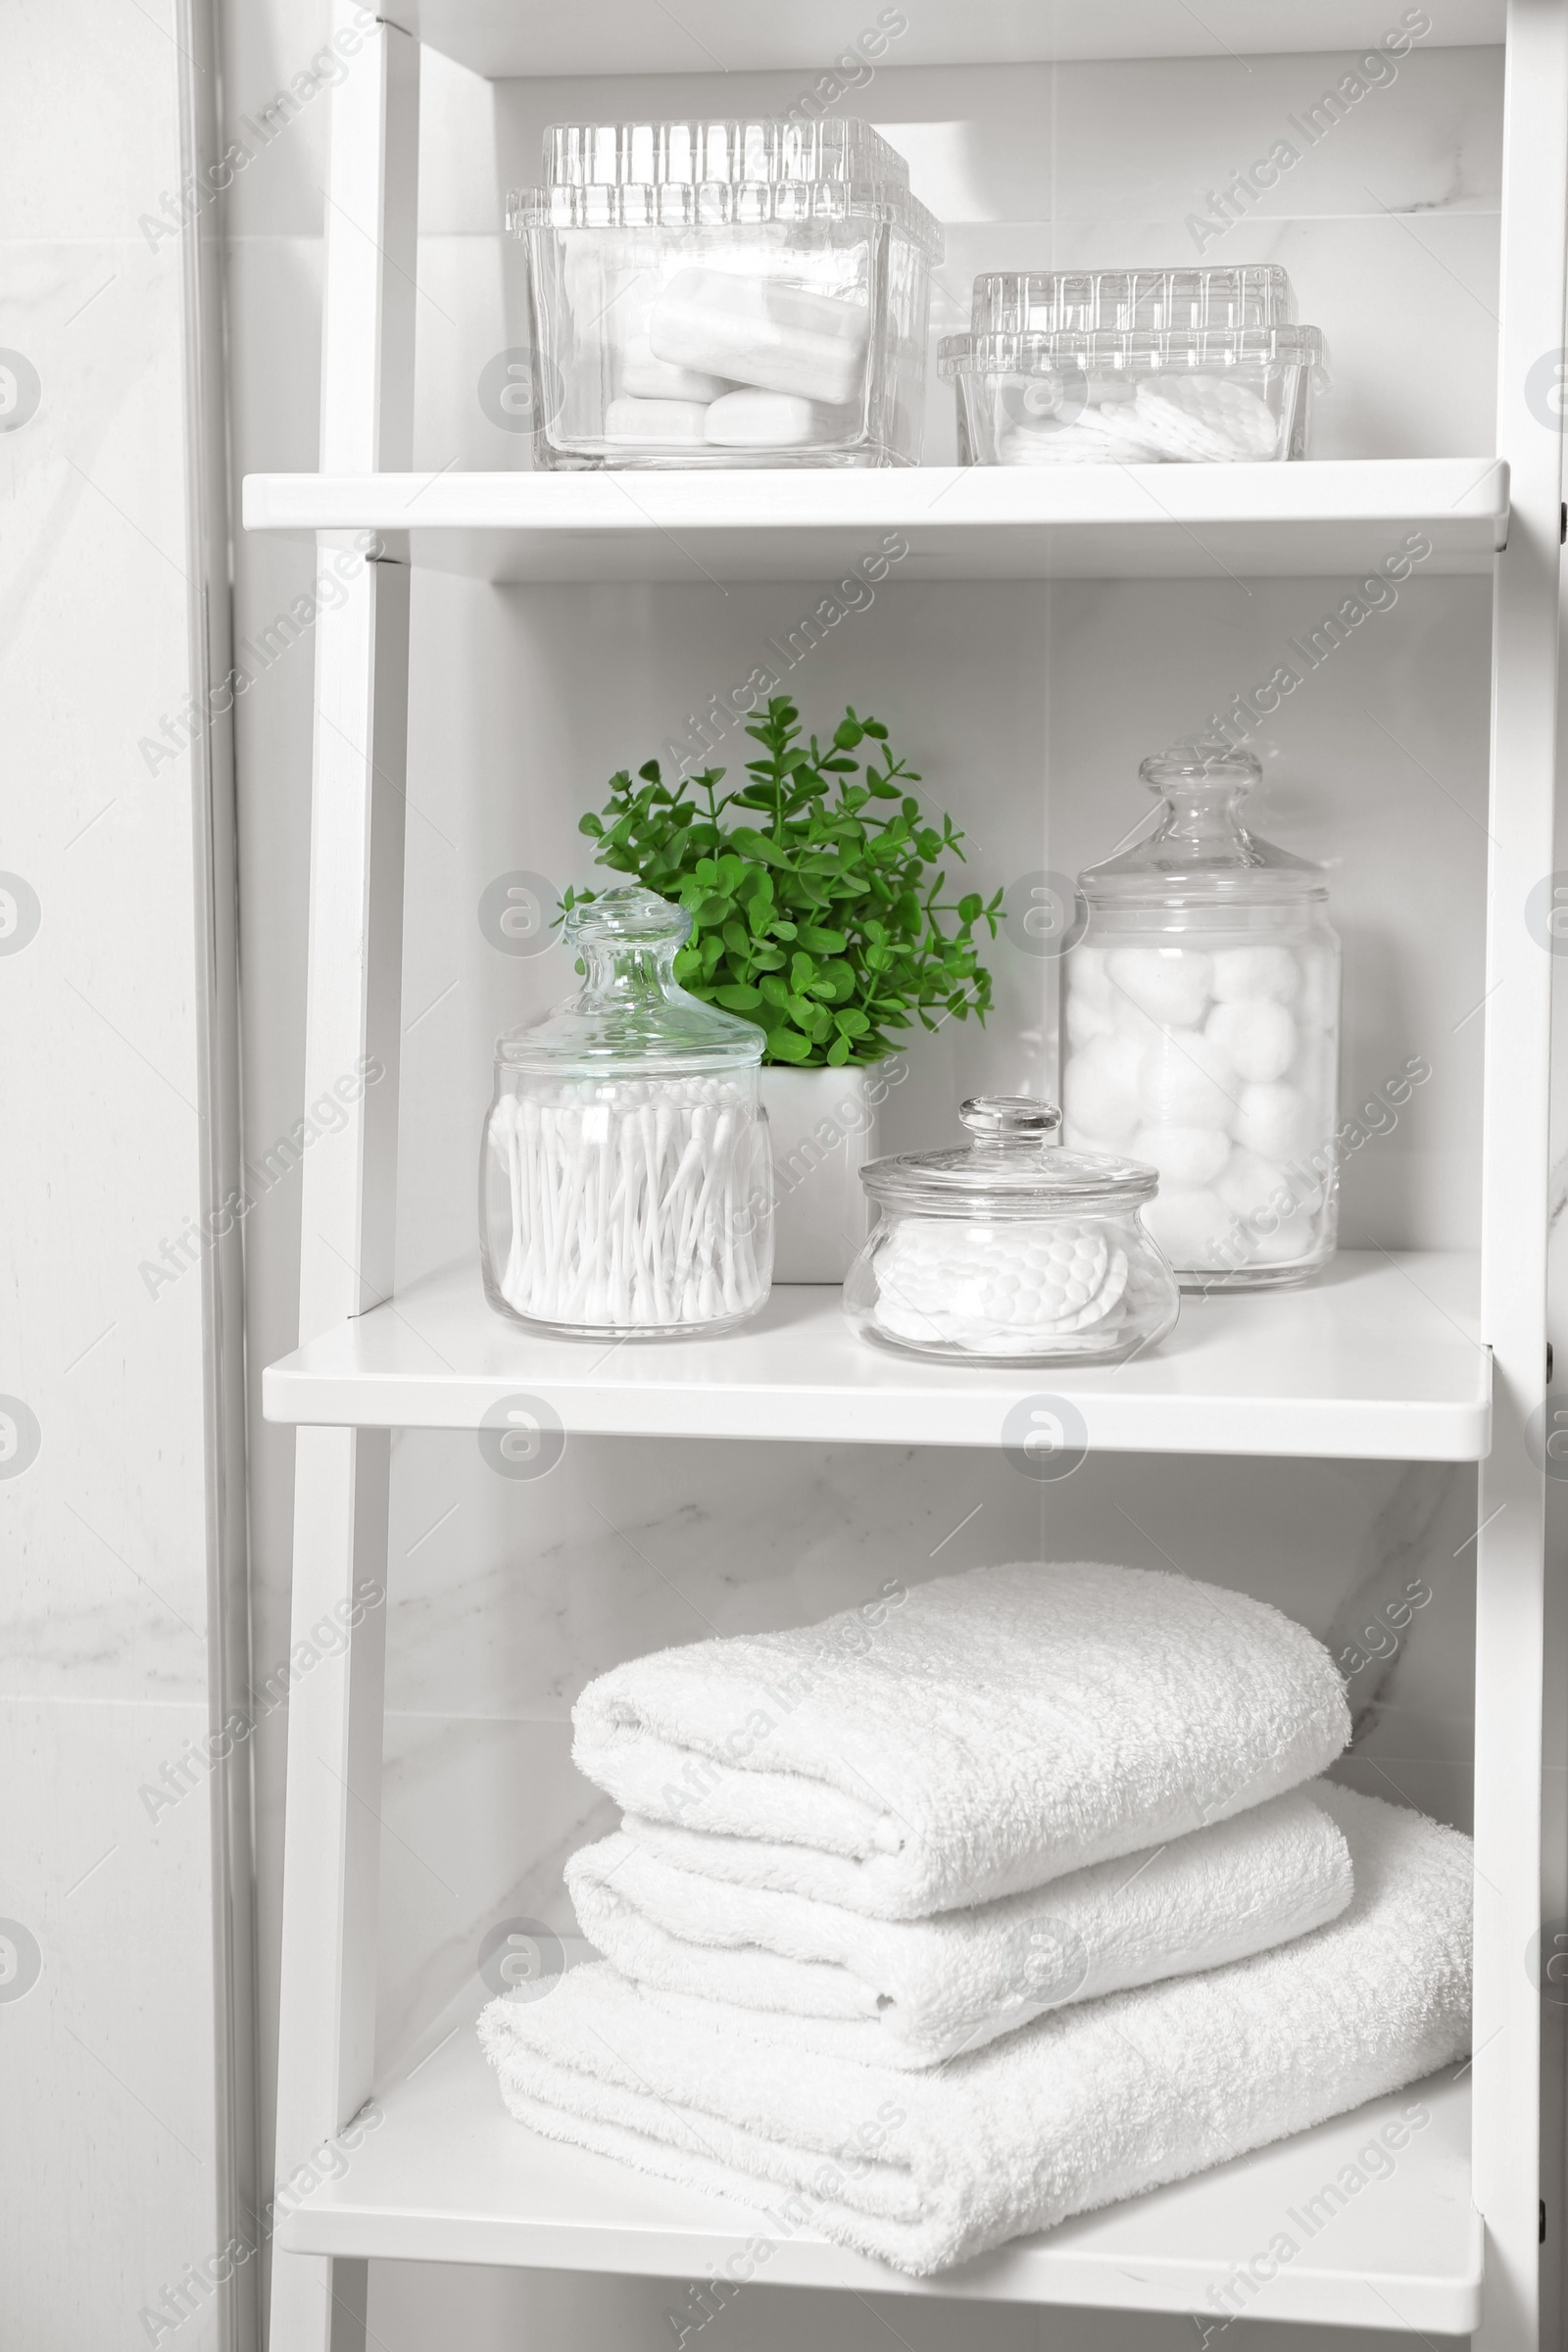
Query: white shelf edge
x=448, y=2177
x=502, y=39
x=437, y=1357
x=1330, y=518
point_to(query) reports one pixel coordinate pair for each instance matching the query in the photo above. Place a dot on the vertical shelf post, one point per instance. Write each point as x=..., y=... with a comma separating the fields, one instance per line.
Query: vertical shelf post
x=1510, y=1650
x=327, y=2033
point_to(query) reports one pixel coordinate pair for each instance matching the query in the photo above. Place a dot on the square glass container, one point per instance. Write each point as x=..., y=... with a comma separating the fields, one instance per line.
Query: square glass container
x=726, y=294
x=1132, y=396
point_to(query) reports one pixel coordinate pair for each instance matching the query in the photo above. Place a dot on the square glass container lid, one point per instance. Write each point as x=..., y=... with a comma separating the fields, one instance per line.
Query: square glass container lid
x=1012, y=1167
x=1064, y=350
x=690, y=175
x=1198, y=852
x=1048, y=301
x=693, y=154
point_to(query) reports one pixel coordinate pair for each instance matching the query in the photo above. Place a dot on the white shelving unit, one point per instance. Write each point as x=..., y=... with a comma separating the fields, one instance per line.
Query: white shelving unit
x=1396, y=1357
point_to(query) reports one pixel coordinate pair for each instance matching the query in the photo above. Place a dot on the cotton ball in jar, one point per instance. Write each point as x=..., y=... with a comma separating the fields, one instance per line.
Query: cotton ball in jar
x=1171, y=984
x=1088, y=1017
x=1189, y=1226
x=1320, y=992
x=1258, y=1036
x=1184, y=1081
x=1293, y=1238
x=1086, y=974
x=1244, y=972
x=1185, y=1157
x=1252, y=1185
x=1269, y=1120
x=1100, y=1089
x=1132, y=1022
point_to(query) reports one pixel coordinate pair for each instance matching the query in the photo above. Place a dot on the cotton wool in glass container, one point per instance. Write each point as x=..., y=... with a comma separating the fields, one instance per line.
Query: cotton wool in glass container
x=625, y=1181
x=1012, y=1249
x=1201, y=1022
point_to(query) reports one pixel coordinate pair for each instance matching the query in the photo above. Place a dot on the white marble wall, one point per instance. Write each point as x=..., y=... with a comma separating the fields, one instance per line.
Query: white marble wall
x=107, y=2081
x=1027, y=709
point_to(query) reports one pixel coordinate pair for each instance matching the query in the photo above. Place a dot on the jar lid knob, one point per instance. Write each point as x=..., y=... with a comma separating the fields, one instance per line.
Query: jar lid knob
x=1007, y=1118
x=630, y=912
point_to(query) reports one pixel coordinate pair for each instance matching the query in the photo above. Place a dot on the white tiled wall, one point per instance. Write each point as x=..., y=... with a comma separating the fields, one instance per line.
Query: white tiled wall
x=107, y=2058
x=1026, y=710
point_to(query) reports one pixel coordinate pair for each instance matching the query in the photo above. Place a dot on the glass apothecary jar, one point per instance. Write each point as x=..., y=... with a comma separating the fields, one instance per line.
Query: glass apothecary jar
x=1012, y=1251
x=727, y=293
x=1201, y=1022
x=625, y=1184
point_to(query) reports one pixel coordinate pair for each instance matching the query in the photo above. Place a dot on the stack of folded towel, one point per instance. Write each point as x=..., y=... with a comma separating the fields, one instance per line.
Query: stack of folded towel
x=994, y=1901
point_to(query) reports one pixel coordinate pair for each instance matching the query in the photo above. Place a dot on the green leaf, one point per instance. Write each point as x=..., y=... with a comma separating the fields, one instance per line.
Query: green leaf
x=788, y=1045
x=737, y=997
x=824, y=942
x=758, y=844
x=591, y=826
x=838, y=1053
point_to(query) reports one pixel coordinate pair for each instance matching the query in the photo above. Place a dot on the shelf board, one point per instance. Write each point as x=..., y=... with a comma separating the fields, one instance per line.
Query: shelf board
x=505, y=37
x=1376, y=1361
x=449, y=2177
x=1337, y=519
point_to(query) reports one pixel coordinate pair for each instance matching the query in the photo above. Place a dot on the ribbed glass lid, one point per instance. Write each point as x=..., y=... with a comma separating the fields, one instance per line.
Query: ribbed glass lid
x=631, y=1009
x=1199, y=850
x=1013, y=1167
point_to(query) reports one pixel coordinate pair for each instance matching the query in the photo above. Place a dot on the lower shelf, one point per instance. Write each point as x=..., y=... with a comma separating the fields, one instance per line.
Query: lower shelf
x=448, y=2177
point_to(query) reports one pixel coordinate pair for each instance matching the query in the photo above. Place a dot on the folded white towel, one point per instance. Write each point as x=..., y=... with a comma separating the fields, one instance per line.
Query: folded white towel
x=911, y=1992
x=1090, y=2104
x=967, y=1738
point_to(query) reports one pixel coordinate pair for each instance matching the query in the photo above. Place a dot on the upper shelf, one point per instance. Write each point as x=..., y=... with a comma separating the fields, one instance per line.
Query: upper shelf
x=1336, y=519
x=1378, y=1360
x=504, y=37
x=448, y=2177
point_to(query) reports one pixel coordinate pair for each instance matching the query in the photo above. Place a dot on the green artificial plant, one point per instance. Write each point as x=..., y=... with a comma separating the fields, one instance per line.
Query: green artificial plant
x=816, y=914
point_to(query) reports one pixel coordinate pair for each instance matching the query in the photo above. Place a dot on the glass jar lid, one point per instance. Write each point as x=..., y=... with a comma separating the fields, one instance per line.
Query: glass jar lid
x=631, y=1009
x=1050, y=301
x=1199, y=852
x=1013, y=1167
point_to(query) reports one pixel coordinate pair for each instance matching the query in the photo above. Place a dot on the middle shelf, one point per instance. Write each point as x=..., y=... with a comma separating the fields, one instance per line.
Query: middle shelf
x=1378, y=1360
x=1328, y=519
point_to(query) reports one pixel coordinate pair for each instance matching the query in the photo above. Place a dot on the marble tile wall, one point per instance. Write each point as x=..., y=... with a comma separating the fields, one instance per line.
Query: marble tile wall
x=1027, y=709
x=107, y=2019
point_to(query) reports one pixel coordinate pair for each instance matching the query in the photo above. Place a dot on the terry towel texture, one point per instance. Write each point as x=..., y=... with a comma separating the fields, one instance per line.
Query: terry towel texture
x=967, y=1737
x=1086, y=2105
x=912, y=1992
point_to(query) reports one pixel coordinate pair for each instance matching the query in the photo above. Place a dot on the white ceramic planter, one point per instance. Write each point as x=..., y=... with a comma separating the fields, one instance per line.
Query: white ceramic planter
x=823, y=1130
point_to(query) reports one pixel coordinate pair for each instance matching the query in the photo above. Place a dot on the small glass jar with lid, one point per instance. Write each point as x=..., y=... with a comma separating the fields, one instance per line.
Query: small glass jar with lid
x=1202, y=1018
x=1012, y=1249
x=625, y=1184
